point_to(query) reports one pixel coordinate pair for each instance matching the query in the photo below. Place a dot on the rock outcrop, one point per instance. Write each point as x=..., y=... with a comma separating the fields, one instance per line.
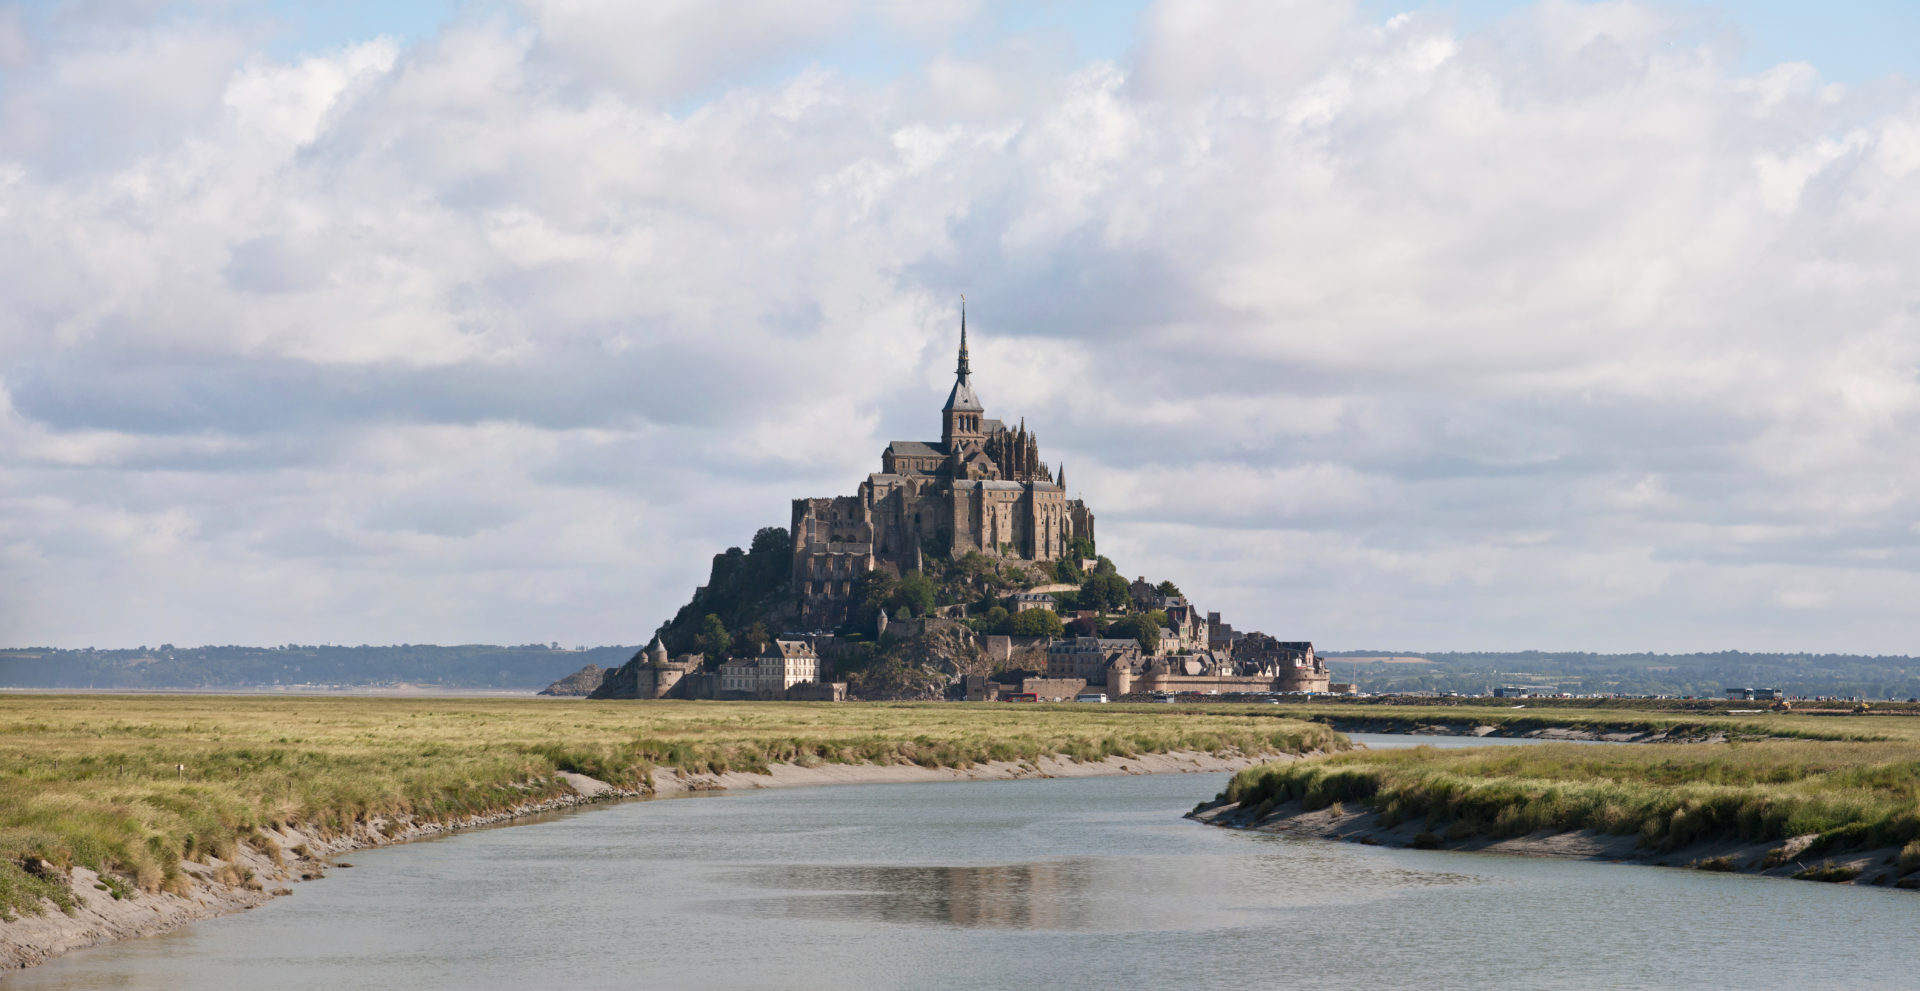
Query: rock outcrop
x=579, y=684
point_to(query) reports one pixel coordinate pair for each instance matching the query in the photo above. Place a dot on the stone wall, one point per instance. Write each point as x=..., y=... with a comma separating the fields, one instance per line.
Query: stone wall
x=1054, y=688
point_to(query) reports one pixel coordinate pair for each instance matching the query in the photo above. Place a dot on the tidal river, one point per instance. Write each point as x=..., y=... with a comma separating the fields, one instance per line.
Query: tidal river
x=1084, y=883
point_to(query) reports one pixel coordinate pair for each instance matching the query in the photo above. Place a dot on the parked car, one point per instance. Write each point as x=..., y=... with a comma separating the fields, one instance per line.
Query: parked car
x=1090, y=697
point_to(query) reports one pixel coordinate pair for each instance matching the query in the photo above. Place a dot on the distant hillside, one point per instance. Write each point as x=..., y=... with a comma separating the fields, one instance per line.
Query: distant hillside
x=528, y=666
x=1889, y=676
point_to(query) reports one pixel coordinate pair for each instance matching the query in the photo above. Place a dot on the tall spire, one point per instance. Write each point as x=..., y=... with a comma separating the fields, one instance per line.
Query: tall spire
x=962, y=398
x=962, y=370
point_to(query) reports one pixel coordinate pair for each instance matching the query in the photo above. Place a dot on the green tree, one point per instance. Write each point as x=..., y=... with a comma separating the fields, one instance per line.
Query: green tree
x=1037, y=623
x=1140, y=627
x=1105, y=590
x=1080, y=548
x=713, y=638
x=915, y=592
x=1167, y=589
x=997, y=620
x=978, y=569
x=876, y=587
x=752, y=642
x=771, y=540
x=1067, y=570
x=876, y=596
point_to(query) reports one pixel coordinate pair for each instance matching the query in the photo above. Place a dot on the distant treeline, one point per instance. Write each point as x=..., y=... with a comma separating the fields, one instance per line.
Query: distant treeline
x=1871, y=676
x=528, y=666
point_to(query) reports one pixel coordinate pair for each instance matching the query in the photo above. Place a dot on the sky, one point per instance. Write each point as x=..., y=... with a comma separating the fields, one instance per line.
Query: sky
x=1463, y=326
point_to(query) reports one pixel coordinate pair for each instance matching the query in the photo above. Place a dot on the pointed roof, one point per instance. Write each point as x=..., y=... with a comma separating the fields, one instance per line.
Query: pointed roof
x=963, y=399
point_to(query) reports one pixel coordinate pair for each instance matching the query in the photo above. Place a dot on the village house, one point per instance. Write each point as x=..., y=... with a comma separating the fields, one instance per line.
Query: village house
x=780, y=666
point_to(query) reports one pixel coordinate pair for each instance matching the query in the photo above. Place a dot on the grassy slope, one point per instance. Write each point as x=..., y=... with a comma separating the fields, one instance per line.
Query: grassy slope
x=1854, y=794
x=93, y=780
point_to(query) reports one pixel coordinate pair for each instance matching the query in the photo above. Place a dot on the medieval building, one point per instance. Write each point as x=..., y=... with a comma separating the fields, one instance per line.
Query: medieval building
x=980, y=488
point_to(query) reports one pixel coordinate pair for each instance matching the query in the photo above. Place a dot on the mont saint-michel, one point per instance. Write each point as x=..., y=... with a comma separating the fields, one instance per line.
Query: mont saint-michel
x=980, y=489
x=960, y=569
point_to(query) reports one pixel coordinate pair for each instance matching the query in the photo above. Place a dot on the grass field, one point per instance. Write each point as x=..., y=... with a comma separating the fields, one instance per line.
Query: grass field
x=1672, y=716
x=1851, y=795
x=132, y=785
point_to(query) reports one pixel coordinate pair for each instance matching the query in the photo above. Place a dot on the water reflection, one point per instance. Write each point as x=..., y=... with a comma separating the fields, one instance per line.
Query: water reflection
x=1075, y=893
x=1050, y=895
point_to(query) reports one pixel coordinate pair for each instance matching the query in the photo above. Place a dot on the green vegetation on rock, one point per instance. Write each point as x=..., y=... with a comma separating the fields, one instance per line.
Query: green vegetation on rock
x=743, y=588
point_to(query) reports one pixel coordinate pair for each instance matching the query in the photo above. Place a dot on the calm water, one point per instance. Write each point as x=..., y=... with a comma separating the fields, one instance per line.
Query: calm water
x=1089, y=883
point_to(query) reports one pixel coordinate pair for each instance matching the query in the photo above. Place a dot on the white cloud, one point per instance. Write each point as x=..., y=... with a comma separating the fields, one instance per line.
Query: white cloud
x=1559, y=334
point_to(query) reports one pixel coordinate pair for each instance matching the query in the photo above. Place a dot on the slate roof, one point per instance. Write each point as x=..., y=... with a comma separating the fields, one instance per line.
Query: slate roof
x=916, y=449
x=962, y=398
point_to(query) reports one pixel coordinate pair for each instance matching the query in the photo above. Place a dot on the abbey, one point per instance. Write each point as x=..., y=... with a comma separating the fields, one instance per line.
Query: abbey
x=980, y=488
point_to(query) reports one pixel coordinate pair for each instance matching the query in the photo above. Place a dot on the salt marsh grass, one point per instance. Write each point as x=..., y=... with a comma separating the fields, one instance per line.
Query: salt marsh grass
x=1850, y=795
x=132, y=785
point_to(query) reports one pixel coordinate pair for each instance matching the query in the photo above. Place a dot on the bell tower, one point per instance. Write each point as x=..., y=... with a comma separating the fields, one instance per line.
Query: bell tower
x=961, y=418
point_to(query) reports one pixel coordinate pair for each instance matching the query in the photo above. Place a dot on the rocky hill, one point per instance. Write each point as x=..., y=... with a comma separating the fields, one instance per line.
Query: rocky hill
x=912, y=636
x=581, y=683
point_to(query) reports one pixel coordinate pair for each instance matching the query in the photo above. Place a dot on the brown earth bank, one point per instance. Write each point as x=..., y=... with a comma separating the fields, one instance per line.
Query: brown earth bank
x=281, y=859
x=1783, y=859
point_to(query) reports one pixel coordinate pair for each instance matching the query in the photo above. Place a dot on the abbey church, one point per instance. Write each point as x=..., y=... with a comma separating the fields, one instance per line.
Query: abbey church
x=981, y=487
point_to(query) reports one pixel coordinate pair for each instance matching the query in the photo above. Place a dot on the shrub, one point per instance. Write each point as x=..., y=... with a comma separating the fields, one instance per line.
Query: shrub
x=1909, y=858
